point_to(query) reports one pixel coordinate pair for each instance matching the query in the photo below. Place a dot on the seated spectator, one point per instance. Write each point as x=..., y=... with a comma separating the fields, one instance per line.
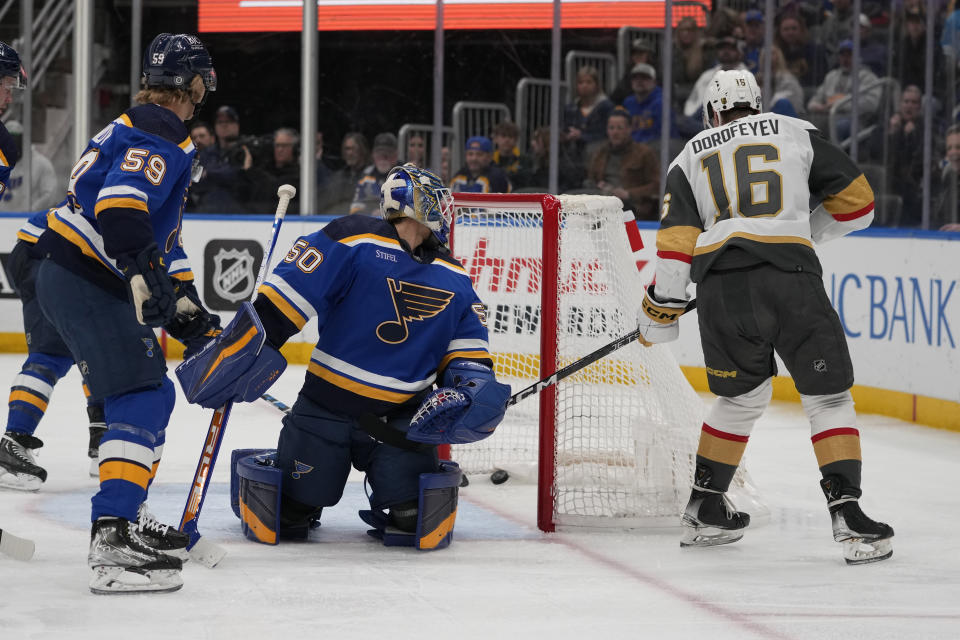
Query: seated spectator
x=787, y=96
x=729, y=56
x=201, y=134
x=753, y=36
x=837, y=85
x=690, y=58
x=641, y=50
x=366, y=198
x=837, y=26
x=910, y=56
x=945, y=215
x=506, y=154
x=282, y=168
x=905, y=165
x=626, y=169
x=873, y=49
x=806, y=60
x=445, y=164
x=950, y=39
x=479, y=174
x=585, y=119
x=534, y=175
x=645, y=104
x=46, y=190
x=339, y=190
x=417, y=150
x=224, y=186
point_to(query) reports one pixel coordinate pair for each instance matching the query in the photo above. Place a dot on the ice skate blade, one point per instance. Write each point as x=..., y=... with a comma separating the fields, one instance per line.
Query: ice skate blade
x=860, y=551
x=709, y=536
x=109, y=580
x=19, y=481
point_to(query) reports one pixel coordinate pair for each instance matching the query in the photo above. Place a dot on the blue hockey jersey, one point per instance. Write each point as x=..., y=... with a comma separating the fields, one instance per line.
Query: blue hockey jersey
x=8, y=156
x=138, y=165
x=389, y=323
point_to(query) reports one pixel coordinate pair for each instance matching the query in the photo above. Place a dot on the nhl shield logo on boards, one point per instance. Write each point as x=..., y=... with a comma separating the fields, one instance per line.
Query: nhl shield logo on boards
x=230, y=272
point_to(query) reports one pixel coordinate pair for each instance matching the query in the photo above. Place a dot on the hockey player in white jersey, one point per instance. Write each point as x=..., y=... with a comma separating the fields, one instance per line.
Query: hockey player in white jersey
x=736, y=220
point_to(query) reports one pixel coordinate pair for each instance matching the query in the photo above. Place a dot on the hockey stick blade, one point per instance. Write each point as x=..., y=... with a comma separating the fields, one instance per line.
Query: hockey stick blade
x=583, y=362
x=16, y=547
x=207, y=553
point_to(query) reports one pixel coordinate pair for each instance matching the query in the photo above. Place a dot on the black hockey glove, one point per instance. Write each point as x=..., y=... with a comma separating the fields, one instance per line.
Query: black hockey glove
x=151, y=290
x=192, y=325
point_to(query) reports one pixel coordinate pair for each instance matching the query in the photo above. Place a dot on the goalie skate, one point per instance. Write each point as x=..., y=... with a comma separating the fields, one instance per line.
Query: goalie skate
x=122, y=563
x=161, y=537
x=864, y=540
x=18, y=467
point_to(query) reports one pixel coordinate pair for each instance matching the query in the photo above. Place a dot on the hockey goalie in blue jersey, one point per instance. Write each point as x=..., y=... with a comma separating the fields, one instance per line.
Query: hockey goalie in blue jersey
x=397, y=316
x=114, y=268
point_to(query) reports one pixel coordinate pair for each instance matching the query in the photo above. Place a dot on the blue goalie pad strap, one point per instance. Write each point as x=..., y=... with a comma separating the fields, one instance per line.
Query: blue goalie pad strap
x=235, y=457
x=436, y=513
x=259, y=490
x=239, y=365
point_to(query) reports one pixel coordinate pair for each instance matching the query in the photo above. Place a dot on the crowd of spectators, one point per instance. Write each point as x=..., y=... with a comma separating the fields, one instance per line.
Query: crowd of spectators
x=610, y=144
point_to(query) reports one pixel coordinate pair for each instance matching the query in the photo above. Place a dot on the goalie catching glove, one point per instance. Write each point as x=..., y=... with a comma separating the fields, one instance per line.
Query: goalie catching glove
x=238, y=366
x=659, y=321
x=467, y=408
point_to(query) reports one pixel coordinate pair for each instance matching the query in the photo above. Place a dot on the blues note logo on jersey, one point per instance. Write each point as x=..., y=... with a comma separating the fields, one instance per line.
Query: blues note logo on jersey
x=300, y=469
x=411, y=302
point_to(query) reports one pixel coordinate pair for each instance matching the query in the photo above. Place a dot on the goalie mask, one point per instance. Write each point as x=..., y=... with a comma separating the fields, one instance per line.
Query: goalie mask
x=734, y=89
x=11, y=67
x=417, y=193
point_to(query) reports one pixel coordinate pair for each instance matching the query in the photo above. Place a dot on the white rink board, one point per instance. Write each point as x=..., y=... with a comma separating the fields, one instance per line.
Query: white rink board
x=897, y=295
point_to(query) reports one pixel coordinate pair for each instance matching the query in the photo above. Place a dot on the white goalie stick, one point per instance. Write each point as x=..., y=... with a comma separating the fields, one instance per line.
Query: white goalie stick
x=379, y=430
x=16, y=547
x=203, y=551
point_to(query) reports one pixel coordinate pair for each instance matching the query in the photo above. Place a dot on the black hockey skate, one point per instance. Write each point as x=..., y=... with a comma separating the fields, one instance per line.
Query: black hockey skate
x=97, y=428
x=161, y=537
x=122, y=563
x=864, y=540
x=18, y=467
x=710, y=518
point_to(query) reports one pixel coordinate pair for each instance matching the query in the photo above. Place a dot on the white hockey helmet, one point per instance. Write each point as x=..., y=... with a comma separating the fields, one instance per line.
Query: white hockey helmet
x=732, y=89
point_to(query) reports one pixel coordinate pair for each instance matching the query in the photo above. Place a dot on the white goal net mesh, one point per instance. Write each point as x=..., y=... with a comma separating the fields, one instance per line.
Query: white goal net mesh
x=626, y=427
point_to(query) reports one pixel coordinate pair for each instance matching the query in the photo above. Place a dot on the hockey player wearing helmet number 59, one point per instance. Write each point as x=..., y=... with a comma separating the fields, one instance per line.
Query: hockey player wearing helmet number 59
x=396, y=315
x=114, y=269
x=735, y=219
x=12, y=78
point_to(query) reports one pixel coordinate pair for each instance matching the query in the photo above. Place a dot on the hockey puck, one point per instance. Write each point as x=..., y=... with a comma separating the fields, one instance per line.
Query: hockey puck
x=499, y=476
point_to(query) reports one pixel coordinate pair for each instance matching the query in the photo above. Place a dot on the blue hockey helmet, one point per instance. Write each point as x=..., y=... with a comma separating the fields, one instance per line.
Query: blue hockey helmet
x=11, y=67
x=412, y=192
x=172, y=60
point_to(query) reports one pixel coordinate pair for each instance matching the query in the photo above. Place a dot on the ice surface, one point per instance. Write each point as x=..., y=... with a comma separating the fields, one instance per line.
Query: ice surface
x=502, y=578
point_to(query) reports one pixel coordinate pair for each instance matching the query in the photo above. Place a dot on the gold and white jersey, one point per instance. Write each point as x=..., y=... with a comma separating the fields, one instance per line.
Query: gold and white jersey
x=751, y=184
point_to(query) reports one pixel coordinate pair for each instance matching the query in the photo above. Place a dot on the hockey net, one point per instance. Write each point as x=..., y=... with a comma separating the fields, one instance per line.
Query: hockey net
x=615, y=443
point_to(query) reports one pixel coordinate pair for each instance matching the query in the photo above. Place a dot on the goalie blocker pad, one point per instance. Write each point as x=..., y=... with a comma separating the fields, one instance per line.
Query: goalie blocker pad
x=239, y=365
x=436, y=513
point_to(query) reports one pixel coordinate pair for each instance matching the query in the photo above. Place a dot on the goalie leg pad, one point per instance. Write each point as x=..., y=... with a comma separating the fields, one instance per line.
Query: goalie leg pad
x=436, y=513
x=239, y=365
x=235, y=456
x=259, y=482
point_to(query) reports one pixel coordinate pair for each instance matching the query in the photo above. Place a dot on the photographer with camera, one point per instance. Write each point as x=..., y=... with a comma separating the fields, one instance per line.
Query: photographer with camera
x=225, y=186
